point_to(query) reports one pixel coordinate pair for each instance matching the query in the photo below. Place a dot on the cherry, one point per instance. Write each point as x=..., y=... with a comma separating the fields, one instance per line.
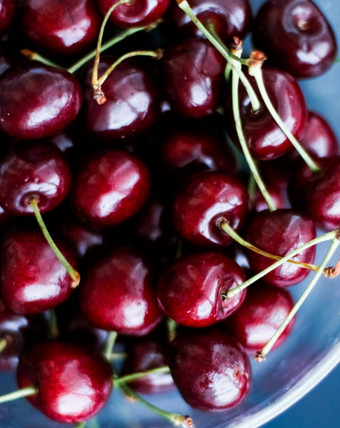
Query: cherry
x=318, y=194
x=60, y=28
x=135, y=14
x=32, y=278
x=193, y=290
x=277, y=171
x=227, y=18
x=193, y=75
x=210, y=369
x=131, y=106
x=6, y=61
x=296, y=36
x=7, y=8
x=143, y=355
x=278, y=194
x=265, y=139
x=37, y=100
x=72, y=383
x=110, y=187
x=33, y=170
x=260, y=315
x=279, y=233
x=118, y=293
x=203, y=201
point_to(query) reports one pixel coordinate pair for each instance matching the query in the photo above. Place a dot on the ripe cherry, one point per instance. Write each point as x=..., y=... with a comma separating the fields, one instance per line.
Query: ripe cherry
x=7, y=8
x=193, y=290
x=278, y=195
x=296, y=36
x=203, y=201
x=72, y=383
x=210, y=369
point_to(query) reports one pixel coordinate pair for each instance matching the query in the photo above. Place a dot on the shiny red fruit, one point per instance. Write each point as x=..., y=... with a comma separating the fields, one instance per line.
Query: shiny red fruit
x=7, y=8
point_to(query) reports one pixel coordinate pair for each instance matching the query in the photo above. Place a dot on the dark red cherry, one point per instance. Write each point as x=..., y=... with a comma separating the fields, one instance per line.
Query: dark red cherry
x=318, y=194
x=18, y=331
x=72, y=383
x=227, y=18
x=203, y=201
x=132, y=104
x=37, y=101
x=32, y=278
x=193, y=75
x=7, y=8
x=110, y=187
x=135, y=14
x=278, y=195
x=6, y=61
x=60, y=28
x=147, y=354
x=210, y=369
x=193, y=290
x=264, y=138
x=261, y=314
x=279, y=233
x=296, y=36
x=118, y=293
x=277, y=171
x=33, y=170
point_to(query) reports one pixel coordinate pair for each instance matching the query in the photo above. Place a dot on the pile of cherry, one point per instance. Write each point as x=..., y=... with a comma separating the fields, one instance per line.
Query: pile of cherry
x=124, y=209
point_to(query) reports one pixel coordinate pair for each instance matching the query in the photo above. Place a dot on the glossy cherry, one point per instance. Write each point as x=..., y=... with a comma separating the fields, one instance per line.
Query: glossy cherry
x=60, y=28
x=110, y=187
x=264, y=138
x=210, y=369
x=279, y=233
x=37, y=100
x=296, y=36
x=72, y=383
x=227, y=18
x=203, y=201
x=32, y=278
x=318, y=194
x=193, y=290
x=33, y=170
x=261, y=314
x=118, y=293
x=193, y=75
x=131, y=106
x=135, y=14
x=7, y=8
x=278, y=195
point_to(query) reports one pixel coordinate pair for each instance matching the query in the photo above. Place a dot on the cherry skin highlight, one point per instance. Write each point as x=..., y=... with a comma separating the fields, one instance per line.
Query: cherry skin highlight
x=73, y=384
x=193, y=290
x=279, y=233
x=210, y=369
x=7, y=8
x=32, y=278
x=118, y=293
x=296, y=37
x=203, y=201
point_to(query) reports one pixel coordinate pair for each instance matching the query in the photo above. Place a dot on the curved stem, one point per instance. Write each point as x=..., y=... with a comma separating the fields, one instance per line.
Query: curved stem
x=134, y=376
x=20, y=393
x=70, y=270
x=269, y=345
x=172, y=327
x=118, y=356
x=243, y=142
x=34, y=56
x=53, y=324
x=231, y=232
x=108, y=347
x=326, y=237
x=256, y=71
x=3, y=344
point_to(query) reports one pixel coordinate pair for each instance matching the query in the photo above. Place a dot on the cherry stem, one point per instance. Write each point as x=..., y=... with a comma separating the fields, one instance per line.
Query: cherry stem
x=3, y=344
x=224, y=51
x=256, y=72
x=81, y=425
x=70, y=270
x=238, y=124
x=20, y=393
x=53, y=324
x=172, y=327
x=97, y=84
x=326, y=237
x=110, y=342
x=269, y=345
x=177, y=420
x=118, y=356
x=134, y=376
x=34, y=56
x=231, y=232
x=332, y=272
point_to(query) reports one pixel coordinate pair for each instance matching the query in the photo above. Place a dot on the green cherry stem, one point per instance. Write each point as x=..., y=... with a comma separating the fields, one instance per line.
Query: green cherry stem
x=116, y=356
x=3, y=344
x=34, y=56
x=20, y=393
x=134, y=376
x=238, y=124
x=255, y=70
x=53, y=324
x=326, y=237
x=172, y=329
x=269, y=345
x=110, y=342
x=70, y=270
x=81, y=425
